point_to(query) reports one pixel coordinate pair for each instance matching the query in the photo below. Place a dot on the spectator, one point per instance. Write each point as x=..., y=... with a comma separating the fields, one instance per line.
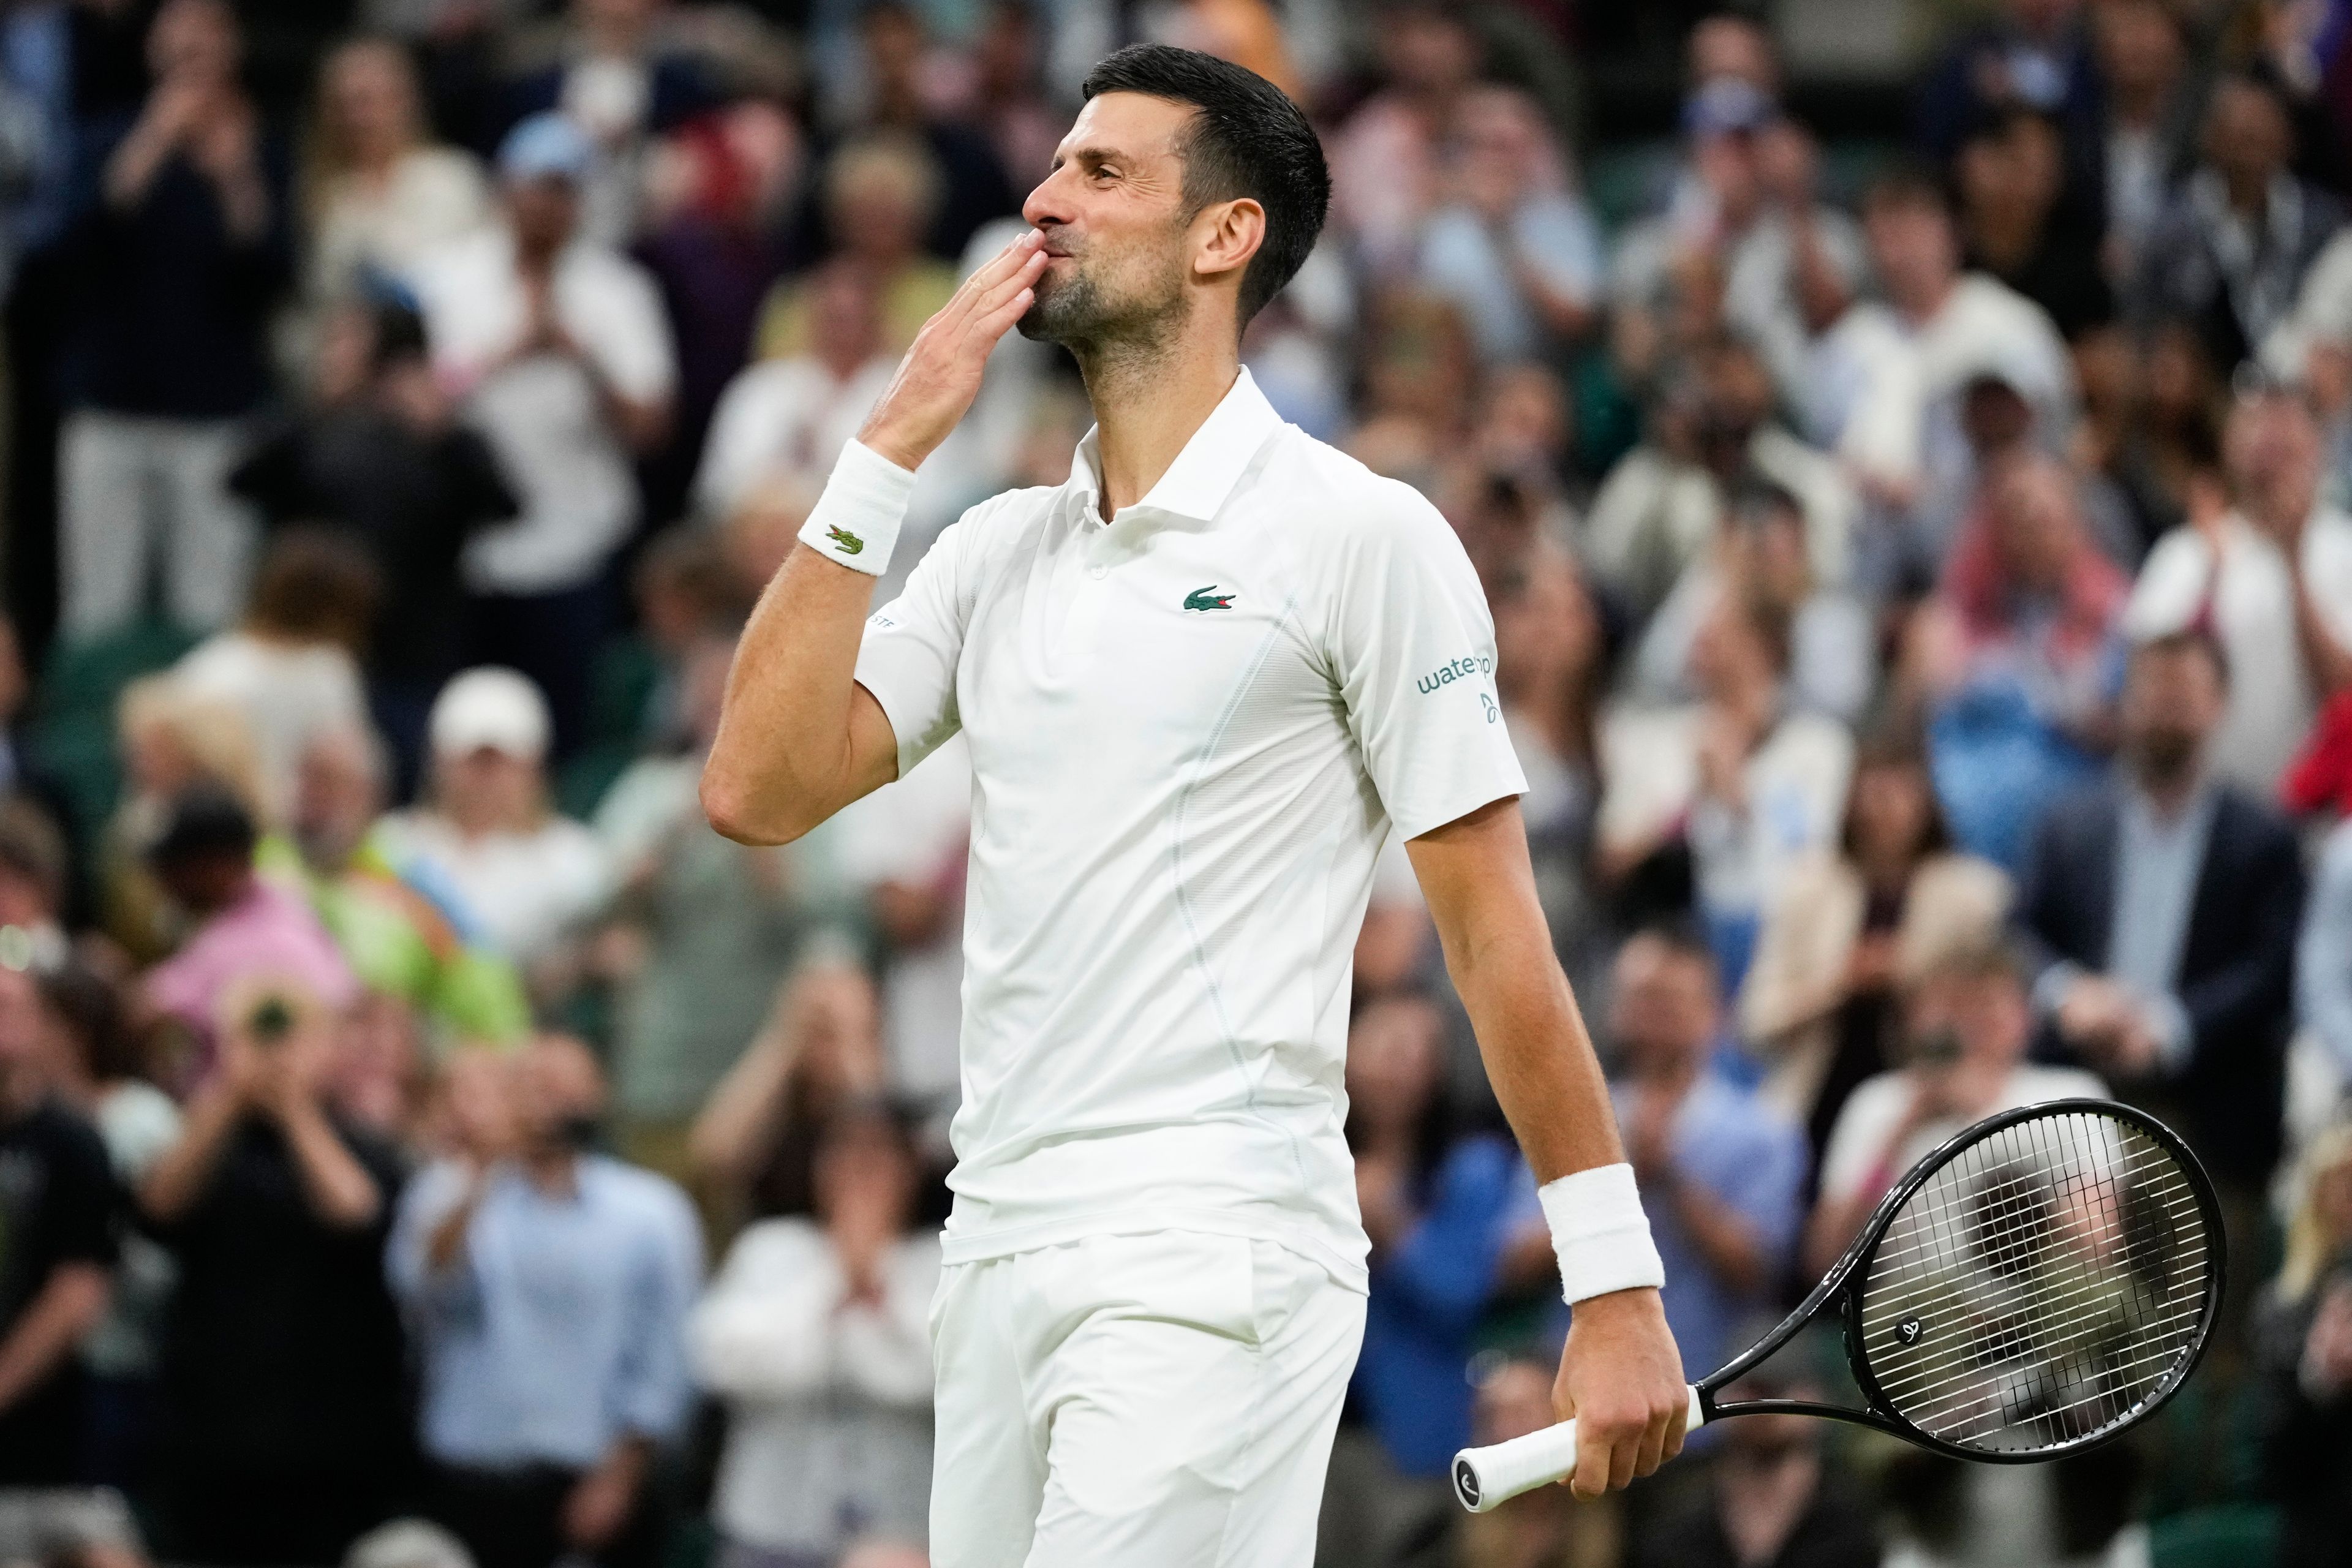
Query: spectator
x=186, y=253
x=403, y=948
x=1772, y=1494
x=1846, y=930
x=816, y=1335
x=1660, y=508
x=1546, y=1526
x=2163, y=905
x=91, y=1059
x=284, y=1420
x=754, y=1145
x=1385, y=161
x=1966, y=1020
x=2153, y=102
x=879, y=192
x=243, y=925
x=520, y=879
x=1761, y=551
x=709, y=929
x=381, y=193
x=171, y=743
x=1551, y=664
x=291, y=665
x=1748, y=784
x=1883, y=382
x=2034, y=53
x=565, y=358
x=900, y=101
x=615, y=82
x=2272, y=579
x=1722, y=1177
x=2306, y=1346
x=2241, y=232
x=2019, y=227
x=547, y=1287
x=60, y=1214
x=2323, y=967
x=1746, y=205
x=1512, y=245
x=785, y=420
x=2016, y=659
x=386, y=463
x=1449, y=1217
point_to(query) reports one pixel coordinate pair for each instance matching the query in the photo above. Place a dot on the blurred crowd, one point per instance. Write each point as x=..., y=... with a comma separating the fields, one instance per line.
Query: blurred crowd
x=1922, y=580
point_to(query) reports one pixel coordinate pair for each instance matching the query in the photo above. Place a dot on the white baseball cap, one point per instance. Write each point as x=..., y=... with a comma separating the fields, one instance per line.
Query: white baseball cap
x=492, y=706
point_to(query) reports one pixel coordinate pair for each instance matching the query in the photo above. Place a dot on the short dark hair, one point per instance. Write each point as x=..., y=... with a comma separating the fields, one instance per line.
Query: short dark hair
x=1247, y=139
x=1905, y=186
x=2197, y=636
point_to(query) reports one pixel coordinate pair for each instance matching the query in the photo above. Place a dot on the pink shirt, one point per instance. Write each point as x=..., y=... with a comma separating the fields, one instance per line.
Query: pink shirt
x=268, y=931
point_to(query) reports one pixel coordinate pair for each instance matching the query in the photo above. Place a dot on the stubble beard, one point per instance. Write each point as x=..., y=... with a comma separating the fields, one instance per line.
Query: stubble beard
x=1100, y=331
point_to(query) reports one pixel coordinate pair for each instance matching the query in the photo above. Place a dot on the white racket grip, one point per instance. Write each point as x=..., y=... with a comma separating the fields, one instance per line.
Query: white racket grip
x=1487, y=1477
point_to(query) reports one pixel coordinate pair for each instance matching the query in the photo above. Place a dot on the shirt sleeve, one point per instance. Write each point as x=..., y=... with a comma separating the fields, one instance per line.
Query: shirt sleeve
x=1411, y=646
x=911, y=647
x=652, y=1387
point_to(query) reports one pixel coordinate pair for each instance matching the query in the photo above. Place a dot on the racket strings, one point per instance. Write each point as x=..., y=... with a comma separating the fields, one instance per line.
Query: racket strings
x=2039, y=1286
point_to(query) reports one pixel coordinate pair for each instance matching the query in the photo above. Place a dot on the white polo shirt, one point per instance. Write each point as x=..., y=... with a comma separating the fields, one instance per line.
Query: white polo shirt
x=1191, y=732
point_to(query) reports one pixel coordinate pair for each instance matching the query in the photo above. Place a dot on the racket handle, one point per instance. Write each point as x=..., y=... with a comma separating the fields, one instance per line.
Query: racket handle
x=1486, y=1478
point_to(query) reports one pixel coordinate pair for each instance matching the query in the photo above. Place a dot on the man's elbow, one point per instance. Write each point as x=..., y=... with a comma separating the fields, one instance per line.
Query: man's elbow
x=734, y=813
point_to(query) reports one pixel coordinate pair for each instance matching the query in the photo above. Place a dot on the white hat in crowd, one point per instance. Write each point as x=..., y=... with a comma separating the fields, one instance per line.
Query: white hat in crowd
x=492, y=706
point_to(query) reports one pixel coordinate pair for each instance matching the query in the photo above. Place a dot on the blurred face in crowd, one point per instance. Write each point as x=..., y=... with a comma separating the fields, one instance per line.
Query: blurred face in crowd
x=845, y=317
x=487, y=790
x=1889, y=811
x=556, y=1092
x=2174, y=694
x=1995, y=419
x=1395, y=1052
x=1525, y=415
x=2012, y=175
x=1546, y=632
x=1770, y=554
x=2036, y=527
x=614, y=19
x=1733, y=47
x=1731, y=657
x=1123, y=240
x=1914, y=251
x=194, y=42
x=1955, y=1014
x=863, y=1165
x=837, y=1019
x=1513, y=1400
x=1663, y=1006
x=544, y=212
x=371, y=101
x=338, y=793
x=2247, y=138
x=2273, y=450
x=1500, y=145
x=878, y=198
x=2140, y=48
x=2043, y=19
x=1427, y=50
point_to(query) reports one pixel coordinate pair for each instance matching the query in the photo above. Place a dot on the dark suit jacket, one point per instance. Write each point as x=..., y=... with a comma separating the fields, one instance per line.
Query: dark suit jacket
x=2237, y=961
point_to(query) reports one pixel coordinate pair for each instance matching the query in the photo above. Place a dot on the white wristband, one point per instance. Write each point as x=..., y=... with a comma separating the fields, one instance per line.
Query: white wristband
x=1600, y=1233
x=857, y=521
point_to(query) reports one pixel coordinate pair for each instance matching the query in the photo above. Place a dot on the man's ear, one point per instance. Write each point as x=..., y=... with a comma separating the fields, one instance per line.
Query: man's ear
x=1226, y=235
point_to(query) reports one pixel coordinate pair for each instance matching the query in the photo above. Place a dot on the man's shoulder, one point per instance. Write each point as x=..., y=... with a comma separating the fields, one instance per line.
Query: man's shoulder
x=646, y=1197
x=1326, y=497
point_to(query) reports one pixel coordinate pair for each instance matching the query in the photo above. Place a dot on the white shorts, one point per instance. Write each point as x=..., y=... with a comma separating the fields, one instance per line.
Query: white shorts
x=1156, y=1401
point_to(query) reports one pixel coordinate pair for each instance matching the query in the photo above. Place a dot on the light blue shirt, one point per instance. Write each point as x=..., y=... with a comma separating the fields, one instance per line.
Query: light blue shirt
x=561, y=1327
x=1744, y=1154
x=2156, y=864
x=2322, y=969
x=1461, y=259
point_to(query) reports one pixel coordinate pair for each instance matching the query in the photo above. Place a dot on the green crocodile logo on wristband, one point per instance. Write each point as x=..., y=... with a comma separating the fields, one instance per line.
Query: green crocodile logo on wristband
x=850, y=543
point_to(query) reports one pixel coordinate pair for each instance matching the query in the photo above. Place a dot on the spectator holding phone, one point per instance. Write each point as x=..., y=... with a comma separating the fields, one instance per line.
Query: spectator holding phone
x=548, y=1287
x=1966, y=1024
x=284, y=1426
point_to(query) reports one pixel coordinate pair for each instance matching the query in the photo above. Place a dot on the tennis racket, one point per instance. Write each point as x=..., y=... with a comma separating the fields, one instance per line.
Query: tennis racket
x=2042, y=1281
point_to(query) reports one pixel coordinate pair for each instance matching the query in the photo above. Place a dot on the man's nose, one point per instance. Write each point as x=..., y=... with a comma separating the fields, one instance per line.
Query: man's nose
x=1045, y=204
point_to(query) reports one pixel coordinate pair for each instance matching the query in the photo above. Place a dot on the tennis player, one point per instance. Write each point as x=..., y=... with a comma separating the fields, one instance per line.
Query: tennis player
x=1202, y=682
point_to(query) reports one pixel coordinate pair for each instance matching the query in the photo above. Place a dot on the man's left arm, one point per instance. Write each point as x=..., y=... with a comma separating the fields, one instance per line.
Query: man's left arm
x=1620, y=1376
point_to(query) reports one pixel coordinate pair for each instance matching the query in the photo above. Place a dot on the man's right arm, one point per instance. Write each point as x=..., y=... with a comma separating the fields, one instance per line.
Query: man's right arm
x=798, y=737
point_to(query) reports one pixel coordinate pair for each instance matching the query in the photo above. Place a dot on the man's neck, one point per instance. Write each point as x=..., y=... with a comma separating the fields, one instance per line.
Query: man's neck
x=1149, y=403
x=2170, y=794
x=1670, y=1074
x=1925, y=305
x=554, y=1171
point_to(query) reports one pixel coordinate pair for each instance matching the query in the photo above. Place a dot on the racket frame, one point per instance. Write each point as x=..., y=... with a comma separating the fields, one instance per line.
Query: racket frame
x=1844, y=1277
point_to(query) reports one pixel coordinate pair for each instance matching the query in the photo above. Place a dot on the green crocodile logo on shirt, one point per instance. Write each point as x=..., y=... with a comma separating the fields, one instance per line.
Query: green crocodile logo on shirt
x=1208, y=598
x=850, y=543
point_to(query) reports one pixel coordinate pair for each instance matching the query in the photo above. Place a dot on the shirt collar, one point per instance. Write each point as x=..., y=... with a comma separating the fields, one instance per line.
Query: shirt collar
x=1204, y=473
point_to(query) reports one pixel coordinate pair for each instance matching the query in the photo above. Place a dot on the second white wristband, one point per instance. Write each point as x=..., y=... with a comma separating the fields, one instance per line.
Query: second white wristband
x=1600, y=1233
x=856, y=522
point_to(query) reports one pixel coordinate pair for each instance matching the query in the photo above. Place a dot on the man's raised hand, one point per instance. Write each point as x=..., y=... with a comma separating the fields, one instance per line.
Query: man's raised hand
x=940, y=373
